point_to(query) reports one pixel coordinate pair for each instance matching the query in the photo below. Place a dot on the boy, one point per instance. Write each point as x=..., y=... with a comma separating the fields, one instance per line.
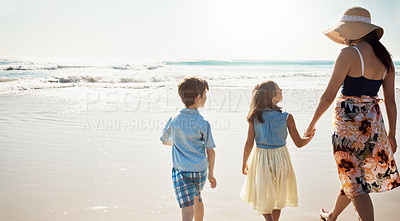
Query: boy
x=192, y=149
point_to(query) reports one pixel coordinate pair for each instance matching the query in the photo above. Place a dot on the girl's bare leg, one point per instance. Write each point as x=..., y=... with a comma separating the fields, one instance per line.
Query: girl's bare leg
x=268, y=217
x=276, y=214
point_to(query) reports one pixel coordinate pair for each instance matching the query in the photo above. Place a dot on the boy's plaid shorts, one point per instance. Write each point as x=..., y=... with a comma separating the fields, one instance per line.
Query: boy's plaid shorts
x=187, y=185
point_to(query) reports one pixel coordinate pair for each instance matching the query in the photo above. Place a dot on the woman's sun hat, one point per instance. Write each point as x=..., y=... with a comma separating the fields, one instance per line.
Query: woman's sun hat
x=354, y=24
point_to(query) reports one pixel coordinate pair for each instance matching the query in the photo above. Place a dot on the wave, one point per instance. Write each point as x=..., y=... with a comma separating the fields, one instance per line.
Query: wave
x=28, y=87
x=16, y=75
x=299, y=81
x=7, y=79
x=36, y=67
x=43, y=84
x=128, y=67
x=252, y=62
x=18, y=67
x=97, y=79
x=247, y=63
x=139, y=81
x=26, y=67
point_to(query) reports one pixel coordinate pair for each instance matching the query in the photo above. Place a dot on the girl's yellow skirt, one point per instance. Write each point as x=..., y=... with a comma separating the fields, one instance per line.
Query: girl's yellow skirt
x=270, y=183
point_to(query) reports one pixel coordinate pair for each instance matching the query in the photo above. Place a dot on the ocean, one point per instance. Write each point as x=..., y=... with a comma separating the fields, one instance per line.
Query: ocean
x=18, y=75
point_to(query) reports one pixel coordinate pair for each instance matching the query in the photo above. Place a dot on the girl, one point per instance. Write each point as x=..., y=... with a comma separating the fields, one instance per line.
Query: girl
x=270, y=184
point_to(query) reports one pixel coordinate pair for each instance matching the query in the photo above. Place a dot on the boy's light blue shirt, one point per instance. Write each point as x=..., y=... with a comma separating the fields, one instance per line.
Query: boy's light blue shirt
x=191, y=137
x=273, y=132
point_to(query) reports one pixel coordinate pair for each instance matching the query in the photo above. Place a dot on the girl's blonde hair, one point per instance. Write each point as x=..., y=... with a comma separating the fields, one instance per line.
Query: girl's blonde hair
x=261, y=99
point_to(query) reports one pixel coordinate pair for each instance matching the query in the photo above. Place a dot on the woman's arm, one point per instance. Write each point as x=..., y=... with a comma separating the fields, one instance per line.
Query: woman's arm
x=294, y=133
x=248, y=147
x=391, y=110
x=340, y=70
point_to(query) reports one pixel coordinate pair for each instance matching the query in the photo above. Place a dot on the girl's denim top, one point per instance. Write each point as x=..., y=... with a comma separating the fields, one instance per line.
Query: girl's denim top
x=273, y=132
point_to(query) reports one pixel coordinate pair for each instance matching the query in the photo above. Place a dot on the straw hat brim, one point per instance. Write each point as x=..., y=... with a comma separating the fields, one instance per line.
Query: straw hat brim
x=351, y=30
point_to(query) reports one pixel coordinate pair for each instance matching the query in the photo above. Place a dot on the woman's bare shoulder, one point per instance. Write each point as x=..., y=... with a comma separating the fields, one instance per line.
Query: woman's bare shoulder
x=348, y=52
x=347, y=55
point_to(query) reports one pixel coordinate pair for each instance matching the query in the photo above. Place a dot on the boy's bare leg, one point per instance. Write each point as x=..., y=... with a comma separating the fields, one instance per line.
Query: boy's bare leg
x=268, y=217
x=276, y=214
x=364, y=207
x=187, y=213
x=198, y=210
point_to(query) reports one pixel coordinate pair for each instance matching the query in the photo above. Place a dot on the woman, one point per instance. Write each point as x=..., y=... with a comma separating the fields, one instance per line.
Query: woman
x=362, y=149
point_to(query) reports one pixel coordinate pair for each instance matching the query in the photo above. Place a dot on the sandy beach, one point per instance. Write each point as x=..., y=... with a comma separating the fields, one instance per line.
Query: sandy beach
x=94, y=154
x=86, y=88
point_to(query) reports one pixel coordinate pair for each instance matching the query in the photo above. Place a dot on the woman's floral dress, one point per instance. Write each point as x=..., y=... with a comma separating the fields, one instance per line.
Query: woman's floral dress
x=361, y=147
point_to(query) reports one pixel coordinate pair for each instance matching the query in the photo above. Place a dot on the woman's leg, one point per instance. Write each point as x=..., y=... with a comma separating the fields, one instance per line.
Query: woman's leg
x=364, y=207
x=341, y=203
x=276, y=214
x=268, y=217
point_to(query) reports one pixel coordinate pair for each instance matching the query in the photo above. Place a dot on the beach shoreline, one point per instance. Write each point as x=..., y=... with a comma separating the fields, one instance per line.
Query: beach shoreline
x=94, y=154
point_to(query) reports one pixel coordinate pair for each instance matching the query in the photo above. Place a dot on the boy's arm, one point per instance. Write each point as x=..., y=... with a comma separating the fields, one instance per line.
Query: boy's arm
x=209, y=145
x=248, y=147
x=211, y=163
x=298, y=141
x=166, y=137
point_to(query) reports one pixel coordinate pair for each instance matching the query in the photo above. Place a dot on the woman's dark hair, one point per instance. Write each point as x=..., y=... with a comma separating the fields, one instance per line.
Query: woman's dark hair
x=380, y=50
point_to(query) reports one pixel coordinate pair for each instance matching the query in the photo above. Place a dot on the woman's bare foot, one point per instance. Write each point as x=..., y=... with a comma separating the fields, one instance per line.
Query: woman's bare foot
x=324, y=215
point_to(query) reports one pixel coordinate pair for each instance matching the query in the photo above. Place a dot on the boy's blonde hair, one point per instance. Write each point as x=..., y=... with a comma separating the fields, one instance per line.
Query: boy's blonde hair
x=261, y=99
x=190, y=88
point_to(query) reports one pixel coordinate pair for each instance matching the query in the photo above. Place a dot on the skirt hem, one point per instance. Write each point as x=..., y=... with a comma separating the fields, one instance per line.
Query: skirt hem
x=259, y=211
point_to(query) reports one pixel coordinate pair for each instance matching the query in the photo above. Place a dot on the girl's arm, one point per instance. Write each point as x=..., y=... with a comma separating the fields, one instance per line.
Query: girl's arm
x=391, y=110
x=298, y=141
x=248, y=147
x=211, y=162
x=340, y=70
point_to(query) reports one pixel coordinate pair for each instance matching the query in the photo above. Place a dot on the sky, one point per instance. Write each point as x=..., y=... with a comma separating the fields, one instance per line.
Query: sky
x=183, y=29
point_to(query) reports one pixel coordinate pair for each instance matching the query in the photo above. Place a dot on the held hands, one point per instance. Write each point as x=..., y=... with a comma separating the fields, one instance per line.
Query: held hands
x=245, y=169
x=310, y=132
x=308, y=135
x=213, y=181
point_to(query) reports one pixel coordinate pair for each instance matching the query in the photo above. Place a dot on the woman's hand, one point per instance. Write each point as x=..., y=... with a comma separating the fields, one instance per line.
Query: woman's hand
x=245, y=169
x=393, y=143
x=310, y=131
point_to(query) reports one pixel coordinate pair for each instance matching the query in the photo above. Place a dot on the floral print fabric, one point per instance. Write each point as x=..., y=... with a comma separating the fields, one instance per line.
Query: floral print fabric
x=361, y=147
